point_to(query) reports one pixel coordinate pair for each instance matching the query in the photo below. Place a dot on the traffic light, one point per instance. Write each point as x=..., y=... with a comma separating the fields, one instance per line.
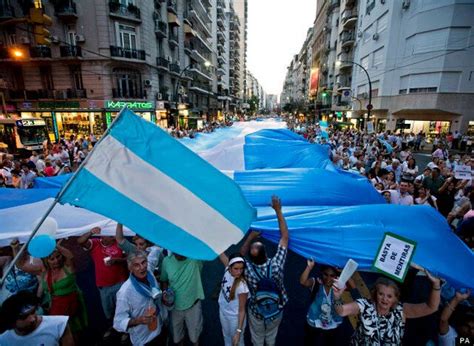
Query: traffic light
x=41, y=22
x=324, y=92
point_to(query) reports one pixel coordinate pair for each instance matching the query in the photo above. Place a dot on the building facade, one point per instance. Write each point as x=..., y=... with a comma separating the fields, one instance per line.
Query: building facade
x=419, y=56
x=77, y=63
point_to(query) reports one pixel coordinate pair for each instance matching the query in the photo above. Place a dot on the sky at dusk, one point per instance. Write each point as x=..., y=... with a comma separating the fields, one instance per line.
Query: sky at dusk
x=276, y=32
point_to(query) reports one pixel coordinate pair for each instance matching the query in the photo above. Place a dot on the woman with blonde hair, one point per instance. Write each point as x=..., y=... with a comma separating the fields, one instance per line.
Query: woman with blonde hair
x=382, y=318
x=233, y=300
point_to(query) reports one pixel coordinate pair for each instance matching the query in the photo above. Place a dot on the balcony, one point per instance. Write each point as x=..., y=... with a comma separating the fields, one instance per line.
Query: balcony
x=349, y=18
x=347, y=39
x=64, y=94
x=66, y=10
x=199, y=71
x=128, y=94
x=162, y=63
x=161, y=28
x=40, y=52
x=6, y=11
x=174, y=67
x=70, y=94
x=70, y=51
x=128, y=12
x=333, y=4
x=188, y=47
x=173, y=40
x=127, y=53
x=172, y=7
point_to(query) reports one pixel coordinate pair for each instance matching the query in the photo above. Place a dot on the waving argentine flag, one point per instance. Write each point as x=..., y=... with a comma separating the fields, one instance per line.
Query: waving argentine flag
x=141, y=177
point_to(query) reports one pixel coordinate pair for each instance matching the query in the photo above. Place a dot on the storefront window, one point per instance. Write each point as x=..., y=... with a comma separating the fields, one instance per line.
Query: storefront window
x=78, y=123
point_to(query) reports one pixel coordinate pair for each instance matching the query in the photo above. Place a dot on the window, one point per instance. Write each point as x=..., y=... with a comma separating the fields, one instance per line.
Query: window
x=76, y=76
x=377, y=58
x=365, y=63
x=370, y=6
x=382, y=23
x=128, y=83
x=46, y=77
x=128, y=37
x=368, y=33
x=423, y=90
x=458, y=38
x=402, y=91
x=71, y=37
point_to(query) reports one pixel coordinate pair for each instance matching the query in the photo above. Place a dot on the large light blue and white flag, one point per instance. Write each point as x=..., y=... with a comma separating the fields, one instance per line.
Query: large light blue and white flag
x=143, y=178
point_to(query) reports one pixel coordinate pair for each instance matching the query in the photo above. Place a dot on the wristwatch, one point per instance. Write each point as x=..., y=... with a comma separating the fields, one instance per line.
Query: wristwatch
x=239, y=330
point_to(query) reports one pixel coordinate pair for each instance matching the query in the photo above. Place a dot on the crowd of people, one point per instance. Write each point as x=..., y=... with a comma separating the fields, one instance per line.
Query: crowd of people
x=151, y=296
x=208, y=127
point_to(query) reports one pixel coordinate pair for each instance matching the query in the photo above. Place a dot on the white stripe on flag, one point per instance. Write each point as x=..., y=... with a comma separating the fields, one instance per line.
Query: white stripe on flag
x=120, y=168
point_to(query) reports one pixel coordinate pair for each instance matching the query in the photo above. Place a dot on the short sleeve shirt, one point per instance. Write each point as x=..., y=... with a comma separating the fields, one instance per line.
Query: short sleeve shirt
x=184, y=277
x=378, y=330
x=226, y=305
x=49, y=332
x=107, y=275
x=448, y=339
x=278, y=264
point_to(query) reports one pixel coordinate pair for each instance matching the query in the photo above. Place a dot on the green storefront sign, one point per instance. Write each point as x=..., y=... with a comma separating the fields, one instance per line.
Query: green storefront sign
x=58, y=105
x=133, y=105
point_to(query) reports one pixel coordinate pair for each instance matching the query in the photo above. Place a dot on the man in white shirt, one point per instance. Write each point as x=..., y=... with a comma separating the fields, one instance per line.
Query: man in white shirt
x=27, y=177
x=401, y=196
x=25, y=327
x=139, y=311
x=40, y=164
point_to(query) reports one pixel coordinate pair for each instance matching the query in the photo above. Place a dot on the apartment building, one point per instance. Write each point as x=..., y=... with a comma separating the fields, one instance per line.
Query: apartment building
x=419, y=56
x=75, y=64
x=241, y=10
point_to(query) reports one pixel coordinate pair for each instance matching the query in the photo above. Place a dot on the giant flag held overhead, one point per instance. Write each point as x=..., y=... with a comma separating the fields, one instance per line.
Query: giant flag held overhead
x=143, y=178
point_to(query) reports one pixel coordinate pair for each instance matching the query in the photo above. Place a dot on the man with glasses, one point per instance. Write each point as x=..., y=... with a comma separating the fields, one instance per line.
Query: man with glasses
x=24, y=327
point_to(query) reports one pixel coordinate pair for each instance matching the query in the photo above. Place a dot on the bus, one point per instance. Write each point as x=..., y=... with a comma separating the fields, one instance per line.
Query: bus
x=23, y=136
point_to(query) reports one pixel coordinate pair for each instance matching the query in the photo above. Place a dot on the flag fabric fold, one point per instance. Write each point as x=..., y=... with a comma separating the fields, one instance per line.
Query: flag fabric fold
x=143, y=178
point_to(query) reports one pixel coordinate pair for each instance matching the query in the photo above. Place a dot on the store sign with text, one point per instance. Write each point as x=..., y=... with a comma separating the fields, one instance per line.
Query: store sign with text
x=58, y=104
x=133, y=105
x=394, y=256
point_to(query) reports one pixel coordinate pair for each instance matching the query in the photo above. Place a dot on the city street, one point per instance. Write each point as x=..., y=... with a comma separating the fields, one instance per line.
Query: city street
x=144, y=143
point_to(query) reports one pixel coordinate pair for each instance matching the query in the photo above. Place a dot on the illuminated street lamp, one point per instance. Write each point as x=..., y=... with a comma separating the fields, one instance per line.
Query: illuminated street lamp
x=207, y=63
x=17, y=53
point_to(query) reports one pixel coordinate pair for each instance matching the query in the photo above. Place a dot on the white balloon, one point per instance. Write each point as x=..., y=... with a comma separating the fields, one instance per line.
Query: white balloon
x=49, y=226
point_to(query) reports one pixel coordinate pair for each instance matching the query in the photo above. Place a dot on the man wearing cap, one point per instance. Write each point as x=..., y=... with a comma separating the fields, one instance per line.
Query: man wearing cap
x=25, y=327
x=258, y=267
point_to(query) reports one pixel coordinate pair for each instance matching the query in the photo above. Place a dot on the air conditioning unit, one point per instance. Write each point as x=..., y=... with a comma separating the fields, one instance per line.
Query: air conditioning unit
x=80, y=38
x=375, y=36
x=24, y=40
x=54, y=39
x=405, y=4
x=147, y=83
x=159, y=96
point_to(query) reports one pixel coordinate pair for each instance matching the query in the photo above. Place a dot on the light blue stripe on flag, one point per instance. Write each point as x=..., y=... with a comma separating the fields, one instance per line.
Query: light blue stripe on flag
x=143, y=178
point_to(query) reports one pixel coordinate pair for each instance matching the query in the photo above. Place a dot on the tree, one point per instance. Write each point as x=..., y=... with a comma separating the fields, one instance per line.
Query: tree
x=254, y=102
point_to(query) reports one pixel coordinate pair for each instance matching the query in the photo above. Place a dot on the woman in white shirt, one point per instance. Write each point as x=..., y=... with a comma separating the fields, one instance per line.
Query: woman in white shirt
x=233, y=300
x=425, y=198
x=410, y=168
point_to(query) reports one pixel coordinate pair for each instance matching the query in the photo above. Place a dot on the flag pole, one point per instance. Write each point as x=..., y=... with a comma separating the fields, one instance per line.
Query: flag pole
x=56, y=200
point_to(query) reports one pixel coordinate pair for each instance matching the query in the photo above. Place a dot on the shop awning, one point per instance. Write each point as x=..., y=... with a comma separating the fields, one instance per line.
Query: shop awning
x=433, y=112
x=173, y=19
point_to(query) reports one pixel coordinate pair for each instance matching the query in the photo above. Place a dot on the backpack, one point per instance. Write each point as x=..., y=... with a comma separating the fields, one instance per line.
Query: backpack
x=267, y=297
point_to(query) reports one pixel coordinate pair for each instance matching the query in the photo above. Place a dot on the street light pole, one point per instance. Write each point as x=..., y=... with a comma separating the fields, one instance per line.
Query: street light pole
x=178, y=82
x=369, y=106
